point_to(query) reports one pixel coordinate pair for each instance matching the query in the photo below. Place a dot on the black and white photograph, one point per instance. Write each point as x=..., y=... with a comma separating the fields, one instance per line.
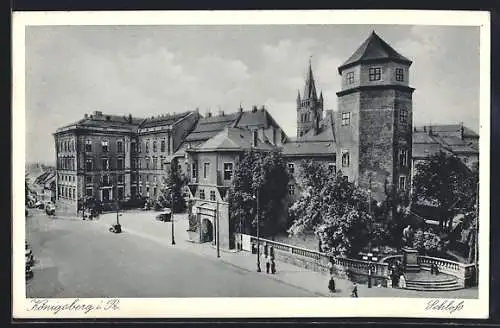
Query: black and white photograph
x=244, y=164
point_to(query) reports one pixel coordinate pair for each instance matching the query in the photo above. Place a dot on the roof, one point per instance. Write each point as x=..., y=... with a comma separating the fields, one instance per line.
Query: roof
x=374, y=48
x=310, y=148
x=99, y=120
x=257, y=118
x=165, y=119
x=234, y=139
x=426, y=145
x=209, y=126
x=448, y=128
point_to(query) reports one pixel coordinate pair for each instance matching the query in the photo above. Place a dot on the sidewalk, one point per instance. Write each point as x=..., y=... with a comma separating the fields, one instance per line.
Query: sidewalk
x=143, y=224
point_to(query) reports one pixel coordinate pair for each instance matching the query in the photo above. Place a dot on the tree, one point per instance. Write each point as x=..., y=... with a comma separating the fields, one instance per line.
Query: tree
x=333, y=208
x=443, y=181
x=171, y=194
x=264, y=174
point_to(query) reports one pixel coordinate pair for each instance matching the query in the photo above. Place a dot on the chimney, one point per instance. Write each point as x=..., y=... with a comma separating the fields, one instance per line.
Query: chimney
x=86, y=115
x=97, y=113
x=462, y=130
x=425, y=129
x=254, y=109
x=263, y=108
x=130, y=118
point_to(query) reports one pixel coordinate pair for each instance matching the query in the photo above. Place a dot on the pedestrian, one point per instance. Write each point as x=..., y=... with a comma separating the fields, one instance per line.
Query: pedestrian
x=273, y=266
x=402, y=282
x=268, y=263
x=331, y=285
x=354, y=292
x=271, y=252
x=389, y=282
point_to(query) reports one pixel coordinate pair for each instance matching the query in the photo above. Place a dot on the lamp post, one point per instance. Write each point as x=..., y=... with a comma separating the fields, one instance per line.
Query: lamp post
x=256, y=197
x=218, y=227
x=172, y=215
x=369, y=257
x=370, y=214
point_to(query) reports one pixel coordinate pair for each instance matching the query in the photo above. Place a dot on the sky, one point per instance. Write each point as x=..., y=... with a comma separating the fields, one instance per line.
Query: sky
x=152, y=70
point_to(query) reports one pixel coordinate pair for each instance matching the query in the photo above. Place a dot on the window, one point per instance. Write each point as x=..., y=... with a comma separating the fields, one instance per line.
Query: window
x=119, y=146
x=147, y=146
x=119, y=164
x=254, y=139
x=139, y=147
x=120, y=192
x=228, y=171
x=155, y=163
x=140, y=190
x=105, y=179
x=332, y=168
x=120, y=178
x=346, y=119
x=133, y=146
x=88, y=165
x=350, y=78
x=162, y=160
x=168, y=145
x=154, y=179
x=194, y=170
x=403, y=116
x=212, y=195
x=206, y=169
x=89, y=192
x=139, y=162
x=147, y=163
x=88, y=179
x=291, y=168
x=154, y=146
x=345, y=158
x=162, y=146
x=104, y=146
x=105, y=164
x=403, y=158
x=402, y=183
x=399, y=74
x=374, y=73
x=291, y=190
x=88, y=146
x=202, y=194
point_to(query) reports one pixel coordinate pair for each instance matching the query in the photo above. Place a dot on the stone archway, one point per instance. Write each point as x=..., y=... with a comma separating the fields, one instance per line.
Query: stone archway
x=207, y=230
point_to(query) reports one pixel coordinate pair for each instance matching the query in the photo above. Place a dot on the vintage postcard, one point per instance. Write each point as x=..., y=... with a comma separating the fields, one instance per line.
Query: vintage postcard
x=251, y=164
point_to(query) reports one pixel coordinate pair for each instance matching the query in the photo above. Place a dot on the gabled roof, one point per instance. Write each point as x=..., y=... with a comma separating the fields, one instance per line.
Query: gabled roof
x=374, y=48
x=106, y=121
x=233, y=139
x=167, y=119
x=209, y=126
x=259, y=118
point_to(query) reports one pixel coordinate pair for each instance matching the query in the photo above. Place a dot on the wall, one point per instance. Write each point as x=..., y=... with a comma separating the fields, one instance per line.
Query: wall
x=348, y=137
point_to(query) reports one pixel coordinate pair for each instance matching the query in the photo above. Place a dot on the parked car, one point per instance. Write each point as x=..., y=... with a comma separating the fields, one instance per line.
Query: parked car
x=166, y=216
x=50, y=209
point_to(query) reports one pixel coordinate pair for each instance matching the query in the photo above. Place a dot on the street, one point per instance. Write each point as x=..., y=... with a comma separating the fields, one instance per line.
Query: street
x=76, y=258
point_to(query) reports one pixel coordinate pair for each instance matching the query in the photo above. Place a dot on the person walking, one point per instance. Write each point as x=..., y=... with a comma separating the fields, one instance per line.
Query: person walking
x=402, y=282
x=330, y=266
x=331, y=285
x=354, y=292
x=273, y=266
x=268, y=263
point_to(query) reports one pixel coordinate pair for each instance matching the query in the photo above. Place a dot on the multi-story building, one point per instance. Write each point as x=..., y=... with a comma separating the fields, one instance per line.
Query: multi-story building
x=110, y=157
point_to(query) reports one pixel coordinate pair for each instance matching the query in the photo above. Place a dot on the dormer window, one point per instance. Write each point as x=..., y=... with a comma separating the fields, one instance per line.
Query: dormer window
x=374, y=73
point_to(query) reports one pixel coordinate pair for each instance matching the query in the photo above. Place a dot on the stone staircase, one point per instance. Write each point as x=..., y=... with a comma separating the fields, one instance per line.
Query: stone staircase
x=424, y=281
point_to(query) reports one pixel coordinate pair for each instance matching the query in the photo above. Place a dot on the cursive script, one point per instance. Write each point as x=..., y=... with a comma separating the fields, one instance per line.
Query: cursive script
x=76, y=305
x=449, y=306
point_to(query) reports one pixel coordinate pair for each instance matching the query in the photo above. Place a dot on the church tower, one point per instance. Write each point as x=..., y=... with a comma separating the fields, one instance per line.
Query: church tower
x=309, y=107
x=374, y=119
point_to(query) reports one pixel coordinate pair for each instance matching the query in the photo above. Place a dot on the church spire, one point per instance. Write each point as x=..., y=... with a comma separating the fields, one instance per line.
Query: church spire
x=298, y=97
x=310, y=87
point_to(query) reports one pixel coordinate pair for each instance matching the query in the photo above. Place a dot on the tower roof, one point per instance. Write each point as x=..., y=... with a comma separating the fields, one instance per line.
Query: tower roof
x=310, y=87
x=374, y=48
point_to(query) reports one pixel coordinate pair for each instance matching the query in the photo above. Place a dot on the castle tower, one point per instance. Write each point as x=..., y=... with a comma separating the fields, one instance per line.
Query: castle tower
x=374, y=118
x=309, y=106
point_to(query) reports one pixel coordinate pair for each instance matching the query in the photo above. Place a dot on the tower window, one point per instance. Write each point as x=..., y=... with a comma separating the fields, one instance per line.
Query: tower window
x=345, y=158
x=228, y=171
x=350, y=78
x=206, y=169
x=403, y=116
x=403, y=158
x=346, y=119
x=212, y=194
x=399, y=74
x=374, y=73
x=291, y=168
x=402, y=183
x=291, y=189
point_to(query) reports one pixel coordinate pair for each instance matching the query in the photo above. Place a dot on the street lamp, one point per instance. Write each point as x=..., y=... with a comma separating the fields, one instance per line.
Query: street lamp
x=256, y=197
x=218, y=228
x=172, y=215
x=369, y=257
